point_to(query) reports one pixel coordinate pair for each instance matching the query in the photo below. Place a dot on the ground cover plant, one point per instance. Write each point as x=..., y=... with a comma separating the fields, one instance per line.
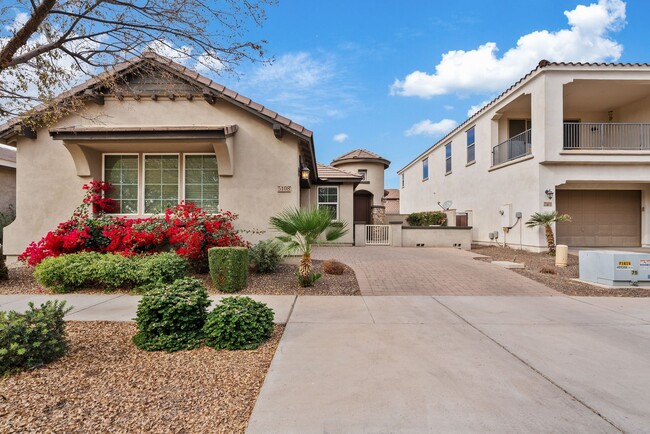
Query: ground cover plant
x=238, y=323
x=265, y=256
x=32, y=338
x=67, y=273
x=186, y=229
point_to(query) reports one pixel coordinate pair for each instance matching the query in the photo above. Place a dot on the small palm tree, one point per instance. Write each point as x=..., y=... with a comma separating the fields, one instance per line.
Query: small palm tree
x=303, y=228
x=546, y=219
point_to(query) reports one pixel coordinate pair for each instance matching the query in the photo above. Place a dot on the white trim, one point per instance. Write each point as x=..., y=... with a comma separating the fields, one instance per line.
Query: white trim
x=104, y=154
x=338, y=199
x=141, y=186
x=185, y=154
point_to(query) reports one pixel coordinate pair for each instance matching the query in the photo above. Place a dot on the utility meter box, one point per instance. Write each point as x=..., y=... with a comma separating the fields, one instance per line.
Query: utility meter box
x=613, y=268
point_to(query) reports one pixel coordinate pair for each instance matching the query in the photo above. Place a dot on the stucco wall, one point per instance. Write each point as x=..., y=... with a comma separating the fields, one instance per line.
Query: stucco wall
x=483, y=190
x=374, y=180
x=49, y=189
x=346, y=207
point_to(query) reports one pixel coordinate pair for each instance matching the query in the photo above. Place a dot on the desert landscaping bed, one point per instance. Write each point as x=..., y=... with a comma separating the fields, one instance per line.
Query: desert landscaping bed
x=538, y=266
x=282, y=282
x=106, y=384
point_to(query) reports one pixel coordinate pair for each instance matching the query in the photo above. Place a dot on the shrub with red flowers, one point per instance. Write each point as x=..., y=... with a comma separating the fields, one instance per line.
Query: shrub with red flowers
x=186, y=229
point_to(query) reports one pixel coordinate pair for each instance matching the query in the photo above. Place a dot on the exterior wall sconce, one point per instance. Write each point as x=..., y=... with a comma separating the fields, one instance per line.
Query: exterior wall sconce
x=549, y=193
x=304, y=173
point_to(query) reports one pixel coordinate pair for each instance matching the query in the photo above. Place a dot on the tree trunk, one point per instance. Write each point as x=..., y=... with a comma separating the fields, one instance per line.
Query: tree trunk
x=305, y=265
x=550, y=240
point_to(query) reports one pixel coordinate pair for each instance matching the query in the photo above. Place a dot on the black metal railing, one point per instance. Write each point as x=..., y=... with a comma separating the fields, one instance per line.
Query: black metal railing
x=512, y=148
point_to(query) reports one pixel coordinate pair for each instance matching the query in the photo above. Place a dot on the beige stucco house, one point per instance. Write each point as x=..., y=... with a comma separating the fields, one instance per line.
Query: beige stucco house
x=164, y=135
x=568, y=137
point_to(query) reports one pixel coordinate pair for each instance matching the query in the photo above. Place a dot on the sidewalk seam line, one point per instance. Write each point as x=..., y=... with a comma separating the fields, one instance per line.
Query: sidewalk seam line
x=525, y=363
x=295, y=299
x=96, y=304
x=368, y=309
x=608, y=309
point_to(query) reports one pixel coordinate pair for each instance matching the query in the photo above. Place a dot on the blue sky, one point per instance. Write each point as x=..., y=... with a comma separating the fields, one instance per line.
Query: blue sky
x=348, y=70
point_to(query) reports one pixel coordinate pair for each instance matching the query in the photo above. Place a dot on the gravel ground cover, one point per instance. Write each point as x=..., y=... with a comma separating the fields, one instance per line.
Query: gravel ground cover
x=537, y=263
x=106, y=384
x=282, y=282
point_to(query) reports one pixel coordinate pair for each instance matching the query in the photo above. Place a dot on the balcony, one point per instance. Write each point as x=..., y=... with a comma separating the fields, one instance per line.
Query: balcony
x=513, y=148
x=587, y=136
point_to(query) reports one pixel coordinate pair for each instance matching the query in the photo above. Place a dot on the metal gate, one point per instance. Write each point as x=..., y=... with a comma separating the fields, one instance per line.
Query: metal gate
x=377, y=235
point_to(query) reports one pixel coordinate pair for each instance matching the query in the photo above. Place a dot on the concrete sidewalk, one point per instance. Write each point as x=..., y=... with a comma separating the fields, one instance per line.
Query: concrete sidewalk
x=459, y=364
x=120, y=307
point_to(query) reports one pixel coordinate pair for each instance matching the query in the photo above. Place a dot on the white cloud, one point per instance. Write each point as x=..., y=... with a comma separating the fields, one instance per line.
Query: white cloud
x=473, y=109
x=480, y=70
x=206, y=64
x=448, y=107
x=300, y=69
x=428, y=128
x=341, y=137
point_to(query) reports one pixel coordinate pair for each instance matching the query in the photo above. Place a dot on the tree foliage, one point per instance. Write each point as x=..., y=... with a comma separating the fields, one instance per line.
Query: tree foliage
x=48, y=45
x=545, y=220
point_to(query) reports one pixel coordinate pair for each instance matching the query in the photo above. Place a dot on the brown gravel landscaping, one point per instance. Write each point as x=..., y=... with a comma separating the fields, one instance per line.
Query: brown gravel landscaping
x=282, y=282
x=538, y=265
x=106, y=384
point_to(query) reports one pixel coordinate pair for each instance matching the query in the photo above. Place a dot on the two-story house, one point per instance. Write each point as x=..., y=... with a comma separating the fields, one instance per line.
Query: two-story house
x=568, y=137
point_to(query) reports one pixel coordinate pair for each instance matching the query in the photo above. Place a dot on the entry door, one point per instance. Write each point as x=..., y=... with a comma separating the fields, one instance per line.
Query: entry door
x=362, y=205
x=600, y=218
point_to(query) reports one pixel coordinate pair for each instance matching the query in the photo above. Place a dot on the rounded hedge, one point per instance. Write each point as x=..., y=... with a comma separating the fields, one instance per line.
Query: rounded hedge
x=238, y=323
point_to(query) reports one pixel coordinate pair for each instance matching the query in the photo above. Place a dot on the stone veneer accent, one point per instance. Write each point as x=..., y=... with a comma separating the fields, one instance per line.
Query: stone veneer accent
x=378, y=215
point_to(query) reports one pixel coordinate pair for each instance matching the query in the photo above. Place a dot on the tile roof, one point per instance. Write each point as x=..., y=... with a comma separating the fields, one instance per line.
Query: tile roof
x=360, y=154
x=540, y=66
x=220, y=91
x=391, y=193
x=327, y=173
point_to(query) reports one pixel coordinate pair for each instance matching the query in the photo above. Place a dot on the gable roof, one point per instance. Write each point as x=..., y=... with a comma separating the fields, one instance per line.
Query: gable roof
x=361, y=155
x=543, y=64
x=329, y=173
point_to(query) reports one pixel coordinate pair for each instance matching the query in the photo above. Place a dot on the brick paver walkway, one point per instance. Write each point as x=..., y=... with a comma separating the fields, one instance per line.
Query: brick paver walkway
x=429, y=271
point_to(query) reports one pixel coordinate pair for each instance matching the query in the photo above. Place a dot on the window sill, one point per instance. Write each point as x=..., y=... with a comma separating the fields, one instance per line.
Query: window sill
x=425, y=179
x=511, y=162
x=471, y=163
x=448, y=173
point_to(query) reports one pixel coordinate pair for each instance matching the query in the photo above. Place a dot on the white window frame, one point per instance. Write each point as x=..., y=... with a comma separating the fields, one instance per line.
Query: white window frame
x=118, y=214
x=425, y=162
x=181, y=194
x=338, y=199
x=402, y=180
x=182, y=186
x=364, y=173
x=448, y=159
x=471, y=145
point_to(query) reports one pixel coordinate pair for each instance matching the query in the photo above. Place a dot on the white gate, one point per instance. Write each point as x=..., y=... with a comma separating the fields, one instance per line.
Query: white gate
x=377, y=235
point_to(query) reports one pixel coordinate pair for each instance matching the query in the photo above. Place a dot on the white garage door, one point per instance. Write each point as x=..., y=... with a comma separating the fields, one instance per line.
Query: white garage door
x=600, y=218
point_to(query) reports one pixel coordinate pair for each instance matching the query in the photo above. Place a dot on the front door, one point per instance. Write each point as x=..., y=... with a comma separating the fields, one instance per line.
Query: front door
x=362, y=204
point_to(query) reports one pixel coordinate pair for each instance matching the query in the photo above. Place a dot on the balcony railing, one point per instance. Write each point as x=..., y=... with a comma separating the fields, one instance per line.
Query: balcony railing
x=512, y=148
x=606, y=136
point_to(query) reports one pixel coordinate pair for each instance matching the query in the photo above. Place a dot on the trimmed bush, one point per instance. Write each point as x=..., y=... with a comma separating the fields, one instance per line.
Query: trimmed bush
x=427, y=218
x=68, y=273
x=33, y=338
x=332, y=266
x=228, y=268
x=238, y=323
x=171, y=317
x=265, y=256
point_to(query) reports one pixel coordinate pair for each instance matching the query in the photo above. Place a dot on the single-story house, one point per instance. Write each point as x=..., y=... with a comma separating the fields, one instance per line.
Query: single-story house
x=166, y=134
x=571, y=137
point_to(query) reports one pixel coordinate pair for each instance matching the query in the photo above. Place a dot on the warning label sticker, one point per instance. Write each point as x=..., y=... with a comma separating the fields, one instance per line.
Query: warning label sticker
x=624, y=265
x=644, y=262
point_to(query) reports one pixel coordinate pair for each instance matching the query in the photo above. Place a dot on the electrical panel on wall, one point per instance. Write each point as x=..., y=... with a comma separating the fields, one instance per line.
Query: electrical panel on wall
x=506, y=213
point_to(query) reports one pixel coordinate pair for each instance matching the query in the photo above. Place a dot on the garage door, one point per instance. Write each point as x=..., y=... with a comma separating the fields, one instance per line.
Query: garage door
x=600, y=218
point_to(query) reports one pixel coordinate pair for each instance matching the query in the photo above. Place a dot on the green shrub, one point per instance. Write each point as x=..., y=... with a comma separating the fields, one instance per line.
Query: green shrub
x=308, y=280
x=265, y=256
x=32, y=338
x=228, y=268
x=4, y=272
x=238, y=323
x=427, y=218
x=171, y=317
x=66, y=273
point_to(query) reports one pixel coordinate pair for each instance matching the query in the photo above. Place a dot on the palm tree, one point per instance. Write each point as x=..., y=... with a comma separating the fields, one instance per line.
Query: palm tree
x=546, y=219
x=303, y=228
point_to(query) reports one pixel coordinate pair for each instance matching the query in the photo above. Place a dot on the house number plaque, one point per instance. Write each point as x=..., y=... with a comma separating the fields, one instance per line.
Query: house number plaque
x=284, y=189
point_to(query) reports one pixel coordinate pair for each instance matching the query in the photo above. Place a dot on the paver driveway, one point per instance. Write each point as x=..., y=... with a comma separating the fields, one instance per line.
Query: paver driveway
x=429, y=271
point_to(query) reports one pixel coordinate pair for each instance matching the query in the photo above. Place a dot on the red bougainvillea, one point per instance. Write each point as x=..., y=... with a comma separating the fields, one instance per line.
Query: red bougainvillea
x=185, y=228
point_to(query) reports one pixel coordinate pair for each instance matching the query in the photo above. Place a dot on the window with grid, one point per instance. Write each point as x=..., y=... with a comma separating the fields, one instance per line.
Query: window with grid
x=363, y=173
x=160, y=183
x=448, y=158
x=470, y=145
x=425, y=169
x=202, y=181
x=328, y=198
x=122, y=172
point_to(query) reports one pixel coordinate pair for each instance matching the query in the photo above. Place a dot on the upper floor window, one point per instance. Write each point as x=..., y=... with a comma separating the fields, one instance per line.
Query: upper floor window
x=363, y=173
x=471, y=138
x=425, y=169
x=328, y=198
x=402, y=180
x=448, y=158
